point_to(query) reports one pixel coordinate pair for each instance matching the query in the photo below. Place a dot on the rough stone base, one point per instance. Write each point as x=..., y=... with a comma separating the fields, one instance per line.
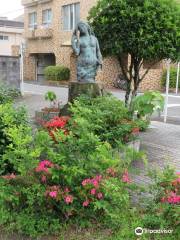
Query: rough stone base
x=90, y=89
x=78, y=88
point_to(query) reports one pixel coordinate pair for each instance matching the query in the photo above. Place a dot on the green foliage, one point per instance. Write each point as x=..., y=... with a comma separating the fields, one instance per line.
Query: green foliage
x=147, y=103
x=173, y=78
x=146, y=30
x=106, y=117
x=57, y=73
x=135, y=27
x=7, y=93
x=10, y=118
x=50, y=96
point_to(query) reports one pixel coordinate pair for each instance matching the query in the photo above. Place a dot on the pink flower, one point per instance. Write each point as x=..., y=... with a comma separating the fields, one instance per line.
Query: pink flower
x=86, y=203
x=68, y=199
x=53, y=194
x=126, y=178
x=111, y=172
x=66, y=190
x=43, y=166
x=95, y=183
x=93, y=191
x=86, y=181
x=172, y=198
x=98, y=178
x=43, y=179
x=99, y=195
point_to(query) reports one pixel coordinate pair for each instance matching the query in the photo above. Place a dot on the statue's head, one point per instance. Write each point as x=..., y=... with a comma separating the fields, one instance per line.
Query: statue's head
x=84, y=28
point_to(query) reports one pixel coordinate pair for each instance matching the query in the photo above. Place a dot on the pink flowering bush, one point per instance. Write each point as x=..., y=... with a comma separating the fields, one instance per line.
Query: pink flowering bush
x=171, y=191
x=162, y=205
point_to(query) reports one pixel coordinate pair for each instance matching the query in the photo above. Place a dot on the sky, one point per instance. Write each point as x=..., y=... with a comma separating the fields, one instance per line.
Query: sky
x=10, y=8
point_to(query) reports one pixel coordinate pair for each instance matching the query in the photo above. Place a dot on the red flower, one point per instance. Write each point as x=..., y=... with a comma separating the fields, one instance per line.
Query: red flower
x=57, y=122
x=135, y=130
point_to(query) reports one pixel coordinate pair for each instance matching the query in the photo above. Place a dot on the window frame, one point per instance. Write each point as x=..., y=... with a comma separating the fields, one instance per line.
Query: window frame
x=73, y=19
x=48, y=21
x=33, y=25
x=4, y=37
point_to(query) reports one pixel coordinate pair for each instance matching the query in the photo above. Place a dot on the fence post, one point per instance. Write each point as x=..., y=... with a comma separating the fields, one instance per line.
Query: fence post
x=167, y=91
x=177, y=80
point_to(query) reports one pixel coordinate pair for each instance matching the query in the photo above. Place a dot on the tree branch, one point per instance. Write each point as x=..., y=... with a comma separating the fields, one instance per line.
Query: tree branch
x=124, y=71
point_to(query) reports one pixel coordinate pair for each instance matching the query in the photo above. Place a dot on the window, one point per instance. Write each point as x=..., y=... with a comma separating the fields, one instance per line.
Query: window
x=33, y=20
x=71, y=16
x=47, y=17
x=6, y=38
x=2, y=37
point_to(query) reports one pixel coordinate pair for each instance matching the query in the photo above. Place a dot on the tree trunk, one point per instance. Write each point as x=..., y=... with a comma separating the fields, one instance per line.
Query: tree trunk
x=128, y=93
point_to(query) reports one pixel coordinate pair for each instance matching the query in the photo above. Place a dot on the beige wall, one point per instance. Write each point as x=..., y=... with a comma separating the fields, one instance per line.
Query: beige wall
x=14, y=38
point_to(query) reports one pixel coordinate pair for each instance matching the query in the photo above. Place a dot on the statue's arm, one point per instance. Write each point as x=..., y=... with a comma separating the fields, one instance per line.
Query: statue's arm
x=75, y=43
x=98, y=53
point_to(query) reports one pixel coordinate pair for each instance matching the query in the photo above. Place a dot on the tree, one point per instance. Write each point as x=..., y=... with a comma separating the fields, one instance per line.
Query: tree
x=142, y=29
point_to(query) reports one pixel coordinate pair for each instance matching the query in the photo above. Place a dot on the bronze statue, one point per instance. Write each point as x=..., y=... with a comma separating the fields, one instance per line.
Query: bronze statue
x=86, y=47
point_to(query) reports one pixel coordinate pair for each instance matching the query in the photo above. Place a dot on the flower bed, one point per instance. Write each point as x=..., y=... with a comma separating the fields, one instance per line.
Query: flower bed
x=70, y=172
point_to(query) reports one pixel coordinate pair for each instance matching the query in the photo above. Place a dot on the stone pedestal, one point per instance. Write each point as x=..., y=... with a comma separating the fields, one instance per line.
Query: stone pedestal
x=78, y=88
x=90, y=89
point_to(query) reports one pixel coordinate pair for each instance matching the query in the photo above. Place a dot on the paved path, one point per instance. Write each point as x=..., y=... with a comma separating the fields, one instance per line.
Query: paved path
x=162, y=144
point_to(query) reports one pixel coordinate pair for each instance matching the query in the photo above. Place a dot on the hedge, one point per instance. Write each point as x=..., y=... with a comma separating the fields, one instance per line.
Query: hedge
x=173, y=78
x=57, y=73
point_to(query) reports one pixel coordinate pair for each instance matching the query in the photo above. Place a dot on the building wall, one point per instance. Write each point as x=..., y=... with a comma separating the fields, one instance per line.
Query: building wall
x=60, y=45
x=14, y=38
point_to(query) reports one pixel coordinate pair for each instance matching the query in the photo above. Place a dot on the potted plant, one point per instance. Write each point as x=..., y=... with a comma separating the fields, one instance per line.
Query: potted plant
x=51, y=111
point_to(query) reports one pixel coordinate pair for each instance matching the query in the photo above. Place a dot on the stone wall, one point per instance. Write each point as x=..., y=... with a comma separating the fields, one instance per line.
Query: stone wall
x=10, y=70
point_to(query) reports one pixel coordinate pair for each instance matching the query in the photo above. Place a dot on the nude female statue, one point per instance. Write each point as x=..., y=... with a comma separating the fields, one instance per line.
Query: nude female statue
x=86, y=47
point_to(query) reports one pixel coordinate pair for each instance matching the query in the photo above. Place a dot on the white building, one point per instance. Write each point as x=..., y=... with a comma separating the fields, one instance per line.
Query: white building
x=10, y=36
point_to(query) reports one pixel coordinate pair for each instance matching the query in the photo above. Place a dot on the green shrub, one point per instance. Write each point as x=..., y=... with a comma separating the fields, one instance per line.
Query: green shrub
x=57, y=73
x=173, y=78
x=81, y=180
x=8, y=93
x=107, y=117
x=9, y=118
